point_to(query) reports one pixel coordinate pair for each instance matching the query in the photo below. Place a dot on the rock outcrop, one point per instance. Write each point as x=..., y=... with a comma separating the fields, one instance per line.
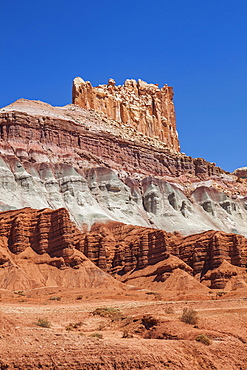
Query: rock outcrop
x=38, y=248
x=142, y=106
x=123, y=250
x=99, y=169
x=43, y=247
x=241, y=172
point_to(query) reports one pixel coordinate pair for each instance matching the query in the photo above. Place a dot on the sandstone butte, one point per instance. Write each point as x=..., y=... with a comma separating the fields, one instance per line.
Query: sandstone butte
x=106, y=165
x=96, y=196
x=143, y=106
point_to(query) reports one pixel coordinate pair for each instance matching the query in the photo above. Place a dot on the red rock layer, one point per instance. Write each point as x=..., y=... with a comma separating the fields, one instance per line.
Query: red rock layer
x=31, y=135
x=143, y=106
x=45, y=231
x=119, y=248
x=39, y=248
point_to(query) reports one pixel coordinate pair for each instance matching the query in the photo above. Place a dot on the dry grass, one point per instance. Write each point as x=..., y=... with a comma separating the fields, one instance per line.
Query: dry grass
x=189, y=316
x=110, y=312
x=96, y=335
x=44, y=323
x=203, y=339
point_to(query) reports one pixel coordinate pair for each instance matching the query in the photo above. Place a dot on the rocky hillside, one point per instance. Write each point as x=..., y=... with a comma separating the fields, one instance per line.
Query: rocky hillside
x=40, y=248
x=101, y=169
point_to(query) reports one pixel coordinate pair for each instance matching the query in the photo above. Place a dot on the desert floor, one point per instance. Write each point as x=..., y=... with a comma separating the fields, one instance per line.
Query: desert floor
x=52, y=328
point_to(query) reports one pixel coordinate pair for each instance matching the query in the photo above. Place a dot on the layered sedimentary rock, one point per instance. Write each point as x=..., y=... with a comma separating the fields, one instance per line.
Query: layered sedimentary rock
x=122, y=249
x=142, y=106
x=43, y=247
x=39, y=248
x=241, y=172
x=99, y=169
x=45, y=231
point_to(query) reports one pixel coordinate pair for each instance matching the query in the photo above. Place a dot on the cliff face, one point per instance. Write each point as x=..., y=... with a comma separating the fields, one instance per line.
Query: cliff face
x=99, y=169
x=212, y=257
x=40, y=248
x=142, y=106
x=43, y=247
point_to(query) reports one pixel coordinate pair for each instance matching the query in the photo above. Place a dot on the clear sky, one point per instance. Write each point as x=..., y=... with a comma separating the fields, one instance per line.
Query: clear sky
x=197, y=46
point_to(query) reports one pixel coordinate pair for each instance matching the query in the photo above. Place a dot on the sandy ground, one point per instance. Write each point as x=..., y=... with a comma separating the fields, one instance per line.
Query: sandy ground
x=78, y=338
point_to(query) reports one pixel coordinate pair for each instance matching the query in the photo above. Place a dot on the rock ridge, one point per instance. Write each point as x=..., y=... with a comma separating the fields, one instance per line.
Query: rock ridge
x=52, y=245
x=38, y=249
x=122, y=249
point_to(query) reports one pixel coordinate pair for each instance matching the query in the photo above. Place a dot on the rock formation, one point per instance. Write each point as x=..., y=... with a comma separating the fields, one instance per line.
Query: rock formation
x=241, y=172
x=42, y=247
x=100, y=169
x=142, y=106
x=38, y=249
x=122, y=249
x=126, y=187
x=96, y=198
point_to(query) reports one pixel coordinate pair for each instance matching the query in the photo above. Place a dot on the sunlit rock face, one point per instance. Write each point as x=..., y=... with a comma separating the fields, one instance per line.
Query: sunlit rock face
x=43, y=247
x=241, y=172
x=69, y=157
x=143, y=106
x=135, y=253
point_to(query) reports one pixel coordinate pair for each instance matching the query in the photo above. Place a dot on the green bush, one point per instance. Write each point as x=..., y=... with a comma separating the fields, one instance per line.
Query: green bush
x=189, y=316
x=44, y=323
x=203, y=339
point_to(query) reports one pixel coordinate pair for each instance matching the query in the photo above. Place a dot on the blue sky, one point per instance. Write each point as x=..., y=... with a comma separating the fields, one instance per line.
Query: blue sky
x=197, y=46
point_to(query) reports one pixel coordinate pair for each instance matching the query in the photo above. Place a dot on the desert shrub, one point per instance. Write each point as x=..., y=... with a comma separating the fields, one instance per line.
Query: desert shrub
x=189, y=316
x=203, y=339
x=69, y=327
x=19, y=292
x=126, y=334
x=96, y=335
x=55, y=299
x=220, y=294
x=73, y=326
x=169, y=310
x=111, y=312
x=44, y=323
x=101, y=327
x=79, y=297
